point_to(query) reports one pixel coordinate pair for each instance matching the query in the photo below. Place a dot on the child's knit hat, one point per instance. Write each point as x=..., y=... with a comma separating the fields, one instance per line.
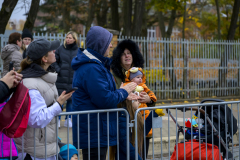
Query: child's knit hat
x=134, y=72
x=64, y=151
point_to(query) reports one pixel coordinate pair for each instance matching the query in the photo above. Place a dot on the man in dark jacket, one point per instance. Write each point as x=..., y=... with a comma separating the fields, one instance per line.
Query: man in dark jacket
x=96, y=90
x=8, y=83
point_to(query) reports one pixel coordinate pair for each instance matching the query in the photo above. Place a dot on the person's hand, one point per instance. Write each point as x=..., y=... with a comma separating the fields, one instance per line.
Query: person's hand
x=63, y=97
x=18, y=78
x=12, y=79
x=144, y=98
x=132, y=96
x=129, y=87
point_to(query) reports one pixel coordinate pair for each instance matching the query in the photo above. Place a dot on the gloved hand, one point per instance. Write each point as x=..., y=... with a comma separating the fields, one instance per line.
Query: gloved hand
x=160, y=112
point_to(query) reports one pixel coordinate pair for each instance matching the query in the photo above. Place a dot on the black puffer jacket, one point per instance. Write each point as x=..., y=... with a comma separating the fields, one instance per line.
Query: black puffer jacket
x=63, y=67
x=5, y=91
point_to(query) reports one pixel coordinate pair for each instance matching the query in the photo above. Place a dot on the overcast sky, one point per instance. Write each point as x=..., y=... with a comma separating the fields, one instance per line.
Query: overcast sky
x=18, y=12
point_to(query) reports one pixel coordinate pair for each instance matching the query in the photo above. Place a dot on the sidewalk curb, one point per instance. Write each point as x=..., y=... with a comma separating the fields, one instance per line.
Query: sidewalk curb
x=165, y=139
x=173, y=139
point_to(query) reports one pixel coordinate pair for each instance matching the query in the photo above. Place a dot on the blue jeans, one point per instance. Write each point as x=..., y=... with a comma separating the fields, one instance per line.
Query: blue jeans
x=68, y=108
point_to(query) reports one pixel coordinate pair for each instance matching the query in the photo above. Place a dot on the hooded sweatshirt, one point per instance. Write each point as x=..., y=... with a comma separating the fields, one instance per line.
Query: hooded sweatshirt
x=96, y=90
x=98, y=39
x=9, y=54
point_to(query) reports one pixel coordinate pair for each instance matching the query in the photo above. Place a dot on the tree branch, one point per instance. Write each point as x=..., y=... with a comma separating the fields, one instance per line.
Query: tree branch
x=234, y=18
x=161, y=23
x=29, y=24
x=5, y=13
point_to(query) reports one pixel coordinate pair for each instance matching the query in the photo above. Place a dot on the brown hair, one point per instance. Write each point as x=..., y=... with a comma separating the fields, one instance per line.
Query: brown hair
x=27, y=62
x=14, y=37
x=140, y=129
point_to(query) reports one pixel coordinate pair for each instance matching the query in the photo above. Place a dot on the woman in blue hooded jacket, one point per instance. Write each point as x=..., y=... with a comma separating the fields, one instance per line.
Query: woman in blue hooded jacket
x=96, y=90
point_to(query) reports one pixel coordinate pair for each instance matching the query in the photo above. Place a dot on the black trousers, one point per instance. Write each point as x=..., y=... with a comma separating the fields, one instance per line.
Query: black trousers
x=147, y=147
x=28, y=157
x=94, y=153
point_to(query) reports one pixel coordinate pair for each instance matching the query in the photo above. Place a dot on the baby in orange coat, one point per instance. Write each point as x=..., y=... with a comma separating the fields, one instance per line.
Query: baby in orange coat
x=136, y=75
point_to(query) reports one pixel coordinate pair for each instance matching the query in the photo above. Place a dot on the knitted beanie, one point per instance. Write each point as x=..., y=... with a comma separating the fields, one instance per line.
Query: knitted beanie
x=133, y=75
x=64, y=151
x=26, y=33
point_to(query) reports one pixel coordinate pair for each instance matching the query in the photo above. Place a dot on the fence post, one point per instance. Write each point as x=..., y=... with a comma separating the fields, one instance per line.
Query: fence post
x=185, y=70
x=188, y=81
x=238, y=82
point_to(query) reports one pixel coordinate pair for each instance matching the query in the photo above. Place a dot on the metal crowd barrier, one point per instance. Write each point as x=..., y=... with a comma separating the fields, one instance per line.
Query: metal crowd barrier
x=167, y=130
x=213, y=114
x=98, y=112
x=88, y=112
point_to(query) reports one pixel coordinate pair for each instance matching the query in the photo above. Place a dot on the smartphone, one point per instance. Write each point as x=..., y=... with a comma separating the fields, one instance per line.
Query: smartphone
x=72, y=89
x=11, y=66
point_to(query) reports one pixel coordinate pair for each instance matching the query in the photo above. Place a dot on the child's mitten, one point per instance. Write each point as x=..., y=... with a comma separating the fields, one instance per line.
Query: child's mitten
x=160, y=112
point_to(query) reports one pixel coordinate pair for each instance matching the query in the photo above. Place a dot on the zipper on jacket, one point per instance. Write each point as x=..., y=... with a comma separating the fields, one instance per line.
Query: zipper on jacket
x=70, y=67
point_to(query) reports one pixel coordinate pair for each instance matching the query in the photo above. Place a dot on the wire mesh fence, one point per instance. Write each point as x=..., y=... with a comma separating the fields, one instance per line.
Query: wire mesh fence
x=177, y=68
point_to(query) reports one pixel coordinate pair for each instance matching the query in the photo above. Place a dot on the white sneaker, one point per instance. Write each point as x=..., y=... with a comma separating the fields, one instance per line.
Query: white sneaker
x=68, y=122
x=59, y=121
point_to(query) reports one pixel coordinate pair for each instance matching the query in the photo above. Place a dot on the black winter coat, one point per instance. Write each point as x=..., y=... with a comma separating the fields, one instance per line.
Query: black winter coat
x=5, y=91
x=63, y=67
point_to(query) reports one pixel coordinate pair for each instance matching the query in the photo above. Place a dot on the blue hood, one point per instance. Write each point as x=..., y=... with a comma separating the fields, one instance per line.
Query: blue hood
x=98, y=39
x=64, y=151
x=82, y=58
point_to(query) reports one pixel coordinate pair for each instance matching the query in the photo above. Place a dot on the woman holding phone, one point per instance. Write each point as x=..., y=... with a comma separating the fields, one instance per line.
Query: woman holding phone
x=11, y=53
x=40, y=78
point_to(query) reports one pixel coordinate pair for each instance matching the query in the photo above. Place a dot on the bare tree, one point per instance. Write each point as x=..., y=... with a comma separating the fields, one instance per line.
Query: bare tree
x=5, y=13
x=227, y=51
x=219, y=20
x=66, y=9
x=91, y=12
x=161, y=20
x=168, y=58
x=101, y=12
x=32, y=15
x=115, y=15
x=234, y=18
x=127, y=16
x=138, y=17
